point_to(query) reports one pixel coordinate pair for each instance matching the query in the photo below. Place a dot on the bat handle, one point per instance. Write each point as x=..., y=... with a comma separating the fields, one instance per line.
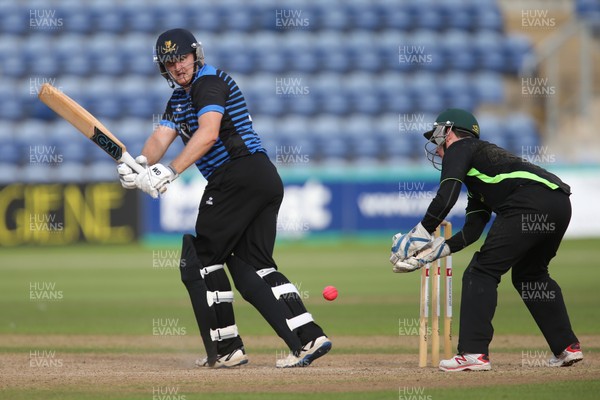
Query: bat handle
x=128, y=160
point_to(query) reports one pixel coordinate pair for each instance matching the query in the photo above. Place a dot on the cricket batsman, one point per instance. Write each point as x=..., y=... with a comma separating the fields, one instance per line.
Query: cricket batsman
x=237, y=216
x=532, y=210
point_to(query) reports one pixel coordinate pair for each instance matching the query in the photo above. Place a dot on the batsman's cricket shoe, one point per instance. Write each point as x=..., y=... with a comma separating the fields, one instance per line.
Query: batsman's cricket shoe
x=568, y=357
x=234, y=359
x=466, y=362
x=309, y=353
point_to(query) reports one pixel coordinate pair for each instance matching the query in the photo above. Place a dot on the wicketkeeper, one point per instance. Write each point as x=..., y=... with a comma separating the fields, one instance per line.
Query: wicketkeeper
x=532, y=210
x=237, y=217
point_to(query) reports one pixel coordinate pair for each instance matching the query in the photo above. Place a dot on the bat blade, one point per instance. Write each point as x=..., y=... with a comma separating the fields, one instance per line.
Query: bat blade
x=87, y=124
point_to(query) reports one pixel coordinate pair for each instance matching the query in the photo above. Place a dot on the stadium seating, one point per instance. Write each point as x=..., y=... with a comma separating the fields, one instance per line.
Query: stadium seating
x=353, y=67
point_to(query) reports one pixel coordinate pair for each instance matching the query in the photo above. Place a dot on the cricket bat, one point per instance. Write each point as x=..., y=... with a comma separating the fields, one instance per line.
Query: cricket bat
x=87, y=124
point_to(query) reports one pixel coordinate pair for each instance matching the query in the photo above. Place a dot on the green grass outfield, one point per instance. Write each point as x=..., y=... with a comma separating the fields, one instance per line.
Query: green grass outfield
x=120, y=290
x=581, y=391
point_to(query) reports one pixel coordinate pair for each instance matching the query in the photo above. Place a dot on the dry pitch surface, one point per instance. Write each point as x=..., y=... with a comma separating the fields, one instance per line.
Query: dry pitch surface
x=354, y=364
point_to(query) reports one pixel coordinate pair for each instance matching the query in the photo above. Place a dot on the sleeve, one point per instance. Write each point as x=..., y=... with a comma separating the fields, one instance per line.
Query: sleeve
x=477, y=217
x=167, y=118
x=209, y=94
x=455, y=165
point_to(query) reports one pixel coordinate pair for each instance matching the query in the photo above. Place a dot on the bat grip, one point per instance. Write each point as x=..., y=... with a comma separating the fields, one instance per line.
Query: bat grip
x=128, y=160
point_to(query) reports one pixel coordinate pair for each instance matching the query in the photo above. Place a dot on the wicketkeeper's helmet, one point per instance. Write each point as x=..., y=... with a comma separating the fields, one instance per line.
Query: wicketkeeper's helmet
x=450, y=119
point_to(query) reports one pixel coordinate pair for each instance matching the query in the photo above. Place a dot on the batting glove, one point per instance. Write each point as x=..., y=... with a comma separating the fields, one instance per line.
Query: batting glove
x=405, y=246
x=154, y=179
x=439, y=249
x=127, y=175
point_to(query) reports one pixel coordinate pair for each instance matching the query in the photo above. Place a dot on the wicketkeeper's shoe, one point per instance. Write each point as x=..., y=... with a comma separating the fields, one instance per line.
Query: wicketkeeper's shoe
x=309, y=353
x=568, y=357
x=466, y=362
x=234, y=359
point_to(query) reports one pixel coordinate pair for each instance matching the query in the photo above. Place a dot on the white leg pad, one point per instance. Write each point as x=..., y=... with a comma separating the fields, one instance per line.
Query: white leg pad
x=207, y=270
x=299, y=320
x=228, y=332
x=265, y=271
x=280, y=290
x=217, y=297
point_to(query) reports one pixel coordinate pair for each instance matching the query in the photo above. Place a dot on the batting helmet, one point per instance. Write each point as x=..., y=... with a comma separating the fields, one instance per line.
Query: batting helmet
x=173, y=44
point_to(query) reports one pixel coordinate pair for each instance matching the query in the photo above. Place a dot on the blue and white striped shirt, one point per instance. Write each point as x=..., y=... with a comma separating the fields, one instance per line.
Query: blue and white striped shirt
x=214, y=90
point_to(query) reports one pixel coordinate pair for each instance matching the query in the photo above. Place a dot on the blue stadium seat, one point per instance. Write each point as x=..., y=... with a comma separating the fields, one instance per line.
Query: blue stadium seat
x=488, y=49
x=334, y=148
x=140, y=19
x=456, y=15
x=107, y=18
x=493, y=129
x=238, y=19
x=399, y=147
x=101, y=171
x=10, y=152
x=428, y=16
x=457, y=55
x=397, y=18
x=358, y=126
x=36, y=173
x=74, y=151
x=422, y=51
x=16, y=20
x=173, y=17
x=365, y=147
x=367, y=18
x=333, y=18
x=325, y=125
x=486, y=16
x=303, y=105
x=516, y=48
x=70, y=172
x=77, y=18
x=488, y=87
x=430, y=102
x=11, y=172
x=204, y=19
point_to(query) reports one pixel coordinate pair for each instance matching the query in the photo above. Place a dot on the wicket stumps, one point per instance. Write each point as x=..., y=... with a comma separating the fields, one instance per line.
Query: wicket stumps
x=433, y=270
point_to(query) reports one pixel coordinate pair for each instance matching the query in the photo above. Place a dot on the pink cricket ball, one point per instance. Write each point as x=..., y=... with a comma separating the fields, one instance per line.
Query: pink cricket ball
x=330, y=293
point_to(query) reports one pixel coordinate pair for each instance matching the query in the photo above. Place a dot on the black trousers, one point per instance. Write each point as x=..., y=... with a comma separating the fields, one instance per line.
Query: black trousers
x=238, y=214
x=524, y=236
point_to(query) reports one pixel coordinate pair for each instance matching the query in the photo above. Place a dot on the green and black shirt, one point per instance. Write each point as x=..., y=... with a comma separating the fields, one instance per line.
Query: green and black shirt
x=491, y=174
